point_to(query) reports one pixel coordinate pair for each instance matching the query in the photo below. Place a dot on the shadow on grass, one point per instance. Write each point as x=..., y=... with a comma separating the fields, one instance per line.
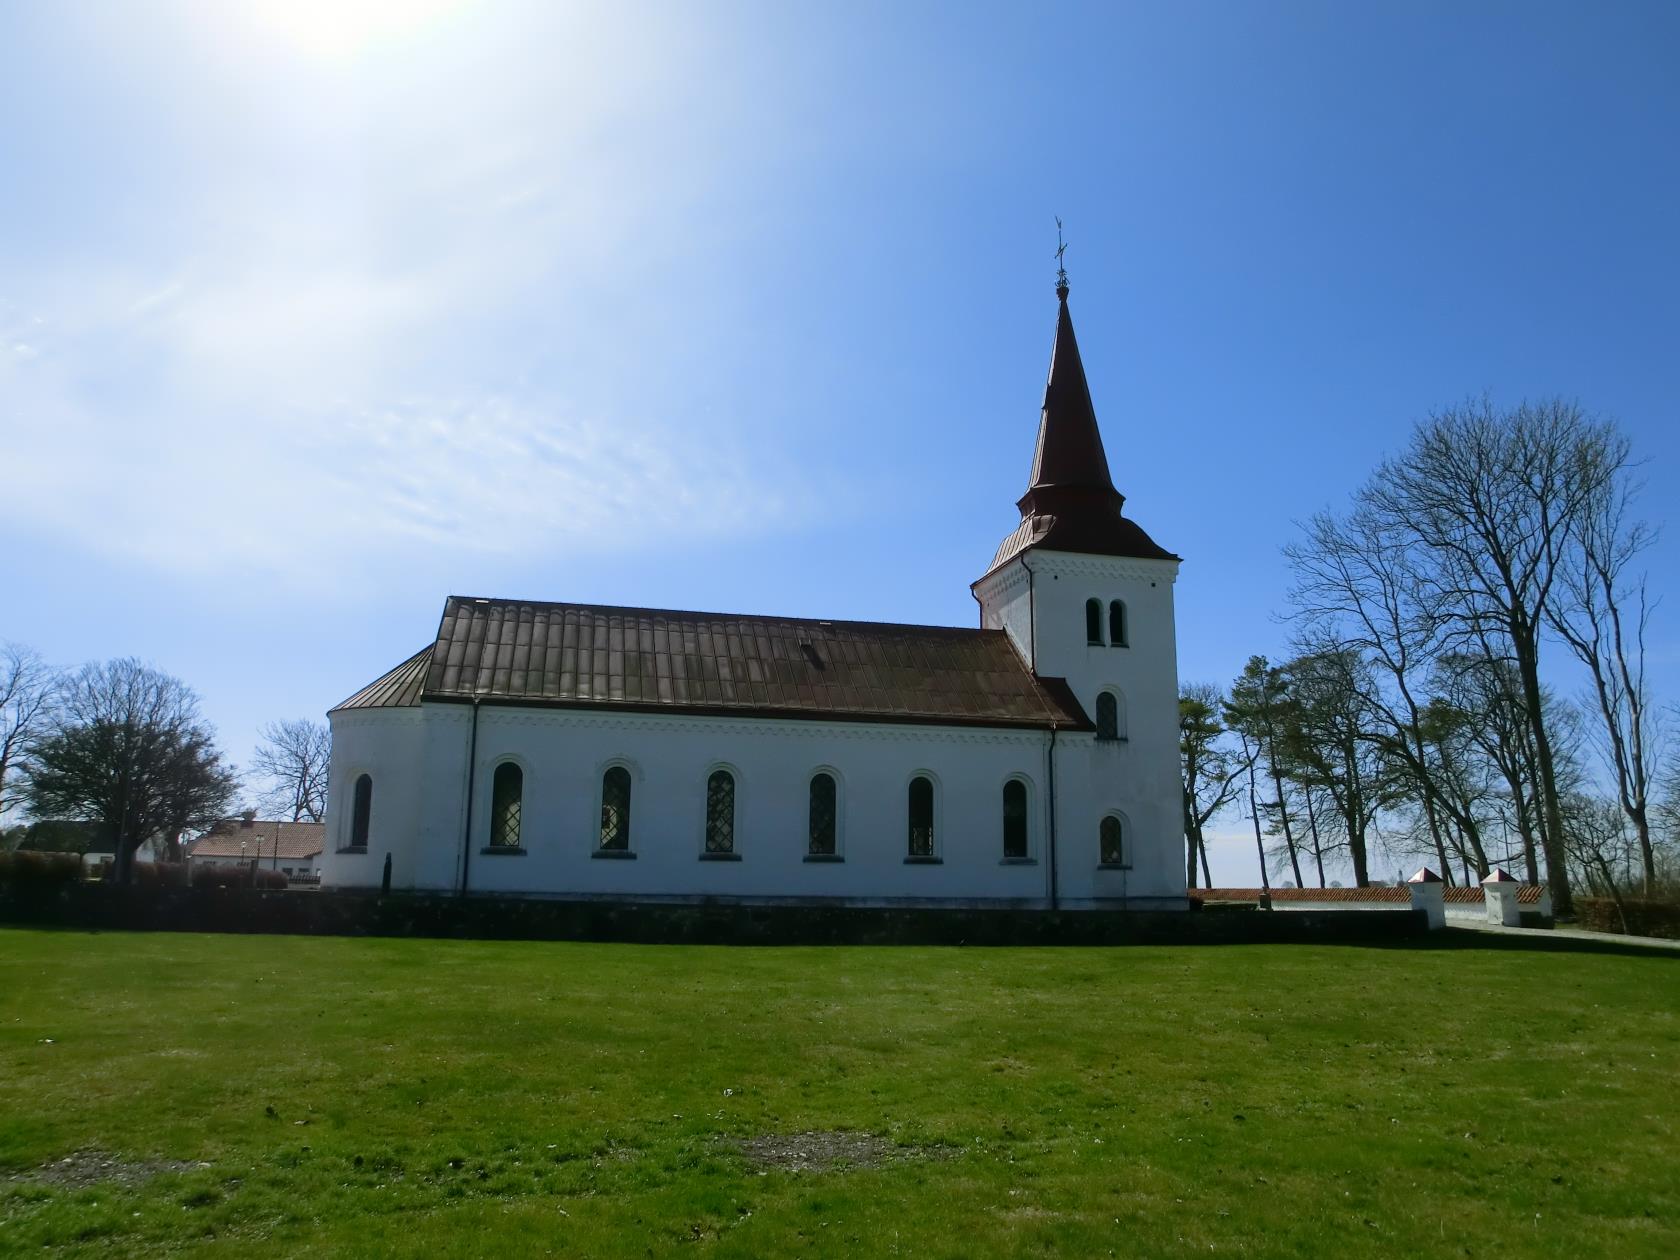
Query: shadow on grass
x=1541, y=942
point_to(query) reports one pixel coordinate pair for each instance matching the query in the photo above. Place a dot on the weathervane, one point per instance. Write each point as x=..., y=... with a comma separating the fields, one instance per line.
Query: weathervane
x=1061, y=271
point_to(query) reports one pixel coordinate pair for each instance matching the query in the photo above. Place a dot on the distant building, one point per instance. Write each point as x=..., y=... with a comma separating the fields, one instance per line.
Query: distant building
x=293, y=848
x=577, y=750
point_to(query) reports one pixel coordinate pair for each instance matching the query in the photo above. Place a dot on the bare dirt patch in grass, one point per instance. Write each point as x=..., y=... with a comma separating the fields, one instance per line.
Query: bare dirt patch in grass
x=823, y=1150
x=81, y=1169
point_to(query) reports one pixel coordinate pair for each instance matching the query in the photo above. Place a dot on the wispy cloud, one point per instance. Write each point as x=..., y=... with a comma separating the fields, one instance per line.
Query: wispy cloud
x=368, y=329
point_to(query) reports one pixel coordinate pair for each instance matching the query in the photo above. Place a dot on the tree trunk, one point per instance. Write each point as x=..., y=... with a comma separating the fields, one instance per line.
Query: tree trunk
x=1435, y=835
x=1317, y=844
x=1557, y=868
x=1190, y=835
x=1283, y=817
x=1259, y=844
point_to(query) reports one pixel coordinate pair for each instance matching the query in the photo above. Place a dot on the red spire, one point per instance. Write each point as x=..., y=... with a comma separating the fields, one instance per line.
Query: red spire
x=1071, y=503
x=1070, y=449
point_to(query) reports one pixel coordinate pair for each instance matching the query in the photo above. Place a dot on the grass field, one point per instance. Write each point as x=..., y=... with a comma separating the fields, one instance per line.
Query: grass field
x=266, y=1096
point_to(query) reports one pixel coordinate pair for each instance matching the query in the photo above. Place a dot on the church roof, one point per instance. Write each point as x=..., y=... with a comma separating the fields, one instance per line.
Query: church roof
x=1071, y=503
x=657, y=660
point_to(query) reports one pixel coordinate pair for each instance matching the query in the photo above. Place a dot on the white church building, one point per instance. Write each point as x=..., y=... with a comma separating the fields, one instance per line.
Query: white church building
x=574, y=750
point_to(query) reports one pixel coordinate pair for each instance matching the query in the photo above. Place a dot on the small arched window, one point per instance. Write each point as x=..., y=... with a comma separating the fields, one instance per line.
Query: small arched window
x=823, y=816
x=1093, y=622
x=615, y=809
x=921, y=816
x=507, y=795
x=1108, y=716
x=361, y=813
x=720, y=812
x=1014, y=819
x=1110, y=850
x=1117, y=624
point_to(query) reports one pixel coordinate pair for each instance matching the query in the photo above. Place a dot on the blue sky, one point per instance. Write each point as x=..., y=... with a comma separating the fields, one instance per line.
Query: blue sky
x=313, y=312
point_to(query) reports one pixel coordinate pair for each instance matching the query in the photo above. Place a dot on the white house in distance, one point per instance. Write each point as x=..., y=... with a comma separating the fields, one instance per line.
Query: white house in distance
x=634, y=753
x=293, y=848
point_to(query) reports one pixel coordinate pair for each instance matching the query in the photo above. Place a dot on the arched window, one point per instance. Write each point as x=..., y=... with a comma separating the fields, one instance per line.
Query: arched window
x=361, y=813
x=720, y=812
x=1117, y=624
x=615, y=809
x=1110, y=850
x=1108, y=716
x=823, y=816
x=507, y=794
x=1014, y=819
x=921, y=816
x=1093, y=622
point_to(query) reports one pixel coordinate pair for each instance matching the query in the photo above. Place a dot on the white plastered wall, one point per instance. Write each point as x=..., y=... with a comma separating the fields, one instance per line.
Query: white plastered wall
x=417, y=758
x=1039, y=599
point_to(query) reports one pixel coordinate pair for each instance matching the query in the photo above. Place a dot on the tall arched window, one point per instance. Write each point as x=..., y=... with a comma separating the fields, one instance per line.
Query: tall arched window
x=361, y=812
x=1108, y=716
x=1117, y=624
x=1109, y=847
x=615, y=809
x=1093, y=621
x=720, y=812
x=921, y=816
x=823, y=815
x=1014, y=819
x=507, y=795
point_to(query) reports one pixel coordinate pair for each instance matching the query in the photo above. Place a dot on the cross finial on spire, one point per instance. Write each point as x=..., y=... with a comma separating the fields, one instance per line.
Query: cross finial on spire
x=1061, y=271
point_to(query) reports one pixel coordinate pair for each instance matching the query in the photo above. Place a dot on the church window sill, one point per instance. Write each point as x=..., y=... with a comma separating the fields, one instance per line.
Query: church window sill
x=1114, y=866
x=923, y=859
x=720, y=857
x=503, y=850
x=824, y=857
x=1018, y=861
x=354, y=848
x=625, y=855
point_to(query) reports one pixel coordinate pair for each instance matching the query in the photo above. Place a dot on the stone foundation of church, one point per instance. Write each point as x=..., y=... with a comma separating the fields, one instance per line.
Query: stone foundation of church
x=109, y=908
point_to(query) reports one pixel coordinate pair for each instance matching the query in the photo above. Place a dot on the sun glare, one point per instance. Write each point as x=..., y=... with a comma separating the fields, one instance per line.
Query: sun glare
x=338, y=30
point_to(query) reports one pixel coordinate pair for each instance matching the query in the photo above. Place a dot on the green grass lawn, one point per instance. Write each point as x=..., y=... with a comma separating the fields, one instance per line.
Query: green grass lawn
x=447, y=1098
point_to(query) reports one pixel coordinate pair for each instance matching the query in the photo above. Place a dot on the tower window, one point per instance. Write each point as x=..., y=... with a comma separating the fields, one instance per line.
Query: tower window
x=1108, y=716
x=823, y=815
x=1117, y=624
x=507, y=794
x=1093, y=622
x=615, y=809
x=1014, y=819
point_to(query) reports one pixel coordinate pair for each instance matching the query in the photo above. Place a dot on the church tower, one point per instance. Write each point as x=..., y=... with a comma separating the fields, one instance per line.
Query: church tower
x=1087, y=596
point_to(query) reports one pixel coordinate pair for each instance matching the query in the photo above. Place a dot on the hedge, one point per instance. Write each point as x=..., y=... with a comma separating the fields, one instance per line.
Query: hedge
x=26, y=867
x=1644, y=918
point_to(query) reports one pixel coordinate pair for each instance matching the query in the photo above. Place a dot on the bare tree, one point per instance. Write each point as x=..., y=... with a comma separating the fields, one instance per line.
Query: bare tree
x=1490, y=502
x=27, y=685
x=1603, y=618
x=1260, y=705
x=1356, y=588
x=294, y=757
x=129, y=752
x=1210, y=772
x=1330, y=742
